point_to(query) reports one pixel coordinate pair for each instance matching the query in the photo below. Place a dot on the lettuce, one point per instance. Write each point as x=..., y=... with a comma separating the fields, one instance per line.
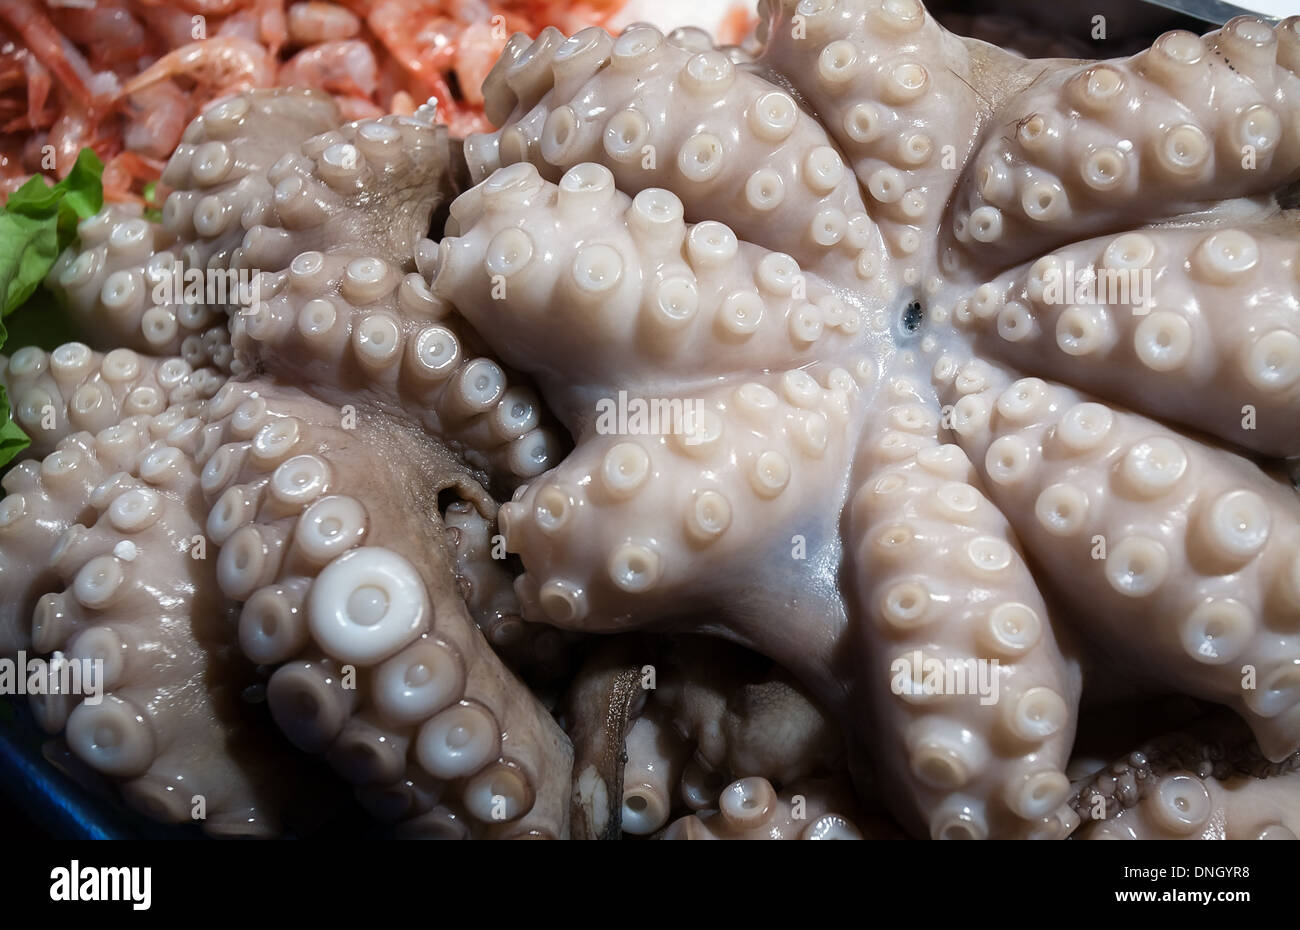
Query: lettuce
x=36, y=224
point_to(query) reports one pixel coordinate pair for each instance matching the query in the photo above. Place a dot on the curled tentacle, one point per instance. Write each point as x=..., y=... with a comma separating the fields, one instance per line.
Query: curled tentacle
x=676, y=303
x=345, y=308
x=895, y=91
x=163, y=288
x=348, y=591
x=113, y=545
x=735, y=148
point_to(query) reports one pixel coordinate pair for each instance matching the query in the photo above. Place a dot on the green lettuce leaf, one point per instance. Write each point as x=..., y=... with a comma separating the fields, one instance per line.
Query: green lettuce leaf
x=36, y=224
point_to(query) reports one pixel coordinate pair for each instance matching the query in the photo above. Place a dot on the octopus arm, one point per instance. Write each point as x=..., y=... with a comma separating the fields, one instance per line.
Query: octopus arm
x=1186, y=552
x=941, y=584
x=1198, y=326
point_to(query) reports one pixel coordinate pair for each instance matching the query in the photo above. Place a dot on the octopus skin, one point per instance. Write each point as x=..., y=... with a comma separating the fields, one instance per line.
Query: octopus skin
x=1208, y=781
x=856, y=300
x=664, y=724
x=841, y=255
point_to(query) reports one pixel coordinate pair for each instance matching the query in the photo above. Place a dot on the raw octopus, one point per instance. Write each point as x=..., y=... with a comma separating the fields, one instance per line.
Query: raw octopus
x=908, y=444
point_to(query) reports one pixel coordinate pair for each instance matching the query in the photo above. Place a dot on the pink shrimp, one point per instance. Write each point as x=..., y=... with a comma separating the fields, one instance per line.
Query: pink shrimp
x=155, y=118
x=262, y=22
x=220, y=65
x=272, y=24
x=107, y=29
x=416, y=33
x=71, y=132
x=21, y=72
x=476, y=53
x=169, y=26
x=50, y=48
x=205, y=7
x=346, y=67
x=38, y=91
x=123, y=170
x=316, y=21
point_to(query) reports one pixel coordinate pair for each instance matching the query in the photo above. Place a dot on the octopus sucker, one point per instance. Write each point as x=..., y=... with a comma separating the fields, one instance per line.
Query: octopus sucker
x=750, y=808
x=972, y=377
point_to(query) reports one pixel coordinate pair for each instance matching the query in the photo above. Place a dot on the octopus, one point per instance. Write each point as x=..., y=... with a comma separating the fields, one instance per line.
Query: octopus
x=988, y=370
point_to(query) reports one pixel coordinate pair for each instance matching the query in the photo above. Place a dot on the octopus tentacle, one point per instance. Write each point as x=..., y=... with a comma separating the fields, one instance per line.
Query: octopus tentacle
x=170, y=722
x=750, y=808
x=895, y=91
x=544, y=256
x=367, y=187
x=119, y=283
x=941, y=578
x=656, y=756
x=1165, y=335
x=1095, y=147
x=1187, y=806
x=608, y=103
x=379, y=664
x=219, y=172
x=44, y=499
x=74, y=388
x=352, y=315
x=624, y=527
x=356, y=328
x=1192, y=546
x=1210, y=782
x=487, y=586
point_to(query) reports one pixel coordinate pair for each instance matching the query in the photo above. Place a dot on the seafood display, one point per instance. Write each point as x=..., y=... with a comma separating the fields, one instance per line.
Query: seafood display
x=826, y=436
x=125, y=77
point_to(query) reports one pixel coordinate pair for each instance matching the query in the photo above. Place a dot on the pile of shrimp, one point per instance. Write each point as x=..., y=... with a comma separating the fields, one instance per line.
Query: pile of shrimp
x=125, y=77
